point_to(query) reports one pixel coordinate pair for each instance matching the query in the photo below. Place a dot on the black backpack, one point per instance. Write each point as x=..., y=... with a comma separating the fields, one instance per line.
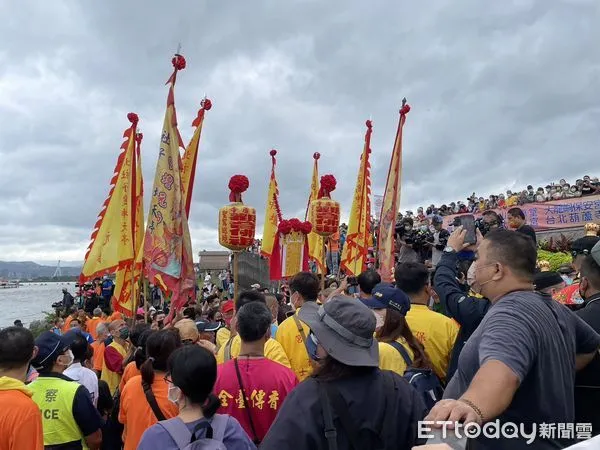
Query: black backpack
x=332, y=400
x=425, y=381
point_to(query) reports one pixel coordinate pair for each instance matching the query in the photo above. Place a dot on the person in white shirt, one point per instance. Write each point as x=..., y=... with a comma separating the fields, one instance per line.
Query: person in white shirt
x=77, y=371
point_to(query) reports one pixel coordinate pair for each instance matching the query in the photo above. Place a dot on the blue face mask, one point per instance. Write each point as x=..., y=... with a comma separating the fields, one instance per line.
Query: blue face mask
x=312, y=343
x=567, y=280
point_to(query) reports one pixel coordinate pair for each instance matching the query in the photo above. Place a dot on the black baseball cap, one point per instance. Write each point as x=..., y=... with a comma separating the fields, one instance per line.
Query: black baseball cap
x=543, y=280
x=50, y=346
x=392, y=297
x=584, y=245
x=204, y=326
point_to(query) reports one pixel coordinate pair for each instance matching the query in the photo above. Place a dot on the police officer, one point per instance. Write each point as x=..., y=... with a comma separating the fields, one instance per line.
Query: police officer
x=69, y=418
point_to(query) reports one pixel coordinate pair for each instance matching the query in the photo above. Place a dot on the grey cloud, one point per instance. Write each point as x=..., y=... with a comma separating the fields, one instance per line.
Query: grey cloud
x=502, y=94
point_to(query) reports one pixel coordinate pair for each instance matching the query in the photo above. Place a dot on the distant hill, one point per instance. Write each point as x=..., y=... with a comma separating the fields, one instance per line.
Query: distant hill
x=24, y=270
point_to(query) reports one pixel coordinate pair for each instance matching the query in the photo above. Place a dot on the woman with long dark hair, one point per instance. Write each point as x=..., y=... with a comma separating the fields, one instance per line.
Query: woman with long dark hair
x=192, y=372
x=348, y=399
x=396, y=341
x=137, y=356
x=144, y=400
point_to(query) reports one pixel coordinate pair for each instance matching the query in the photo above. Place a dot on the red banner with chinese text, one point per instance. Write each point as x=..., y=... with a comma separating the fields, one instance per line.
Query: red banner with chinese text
x=555, y=214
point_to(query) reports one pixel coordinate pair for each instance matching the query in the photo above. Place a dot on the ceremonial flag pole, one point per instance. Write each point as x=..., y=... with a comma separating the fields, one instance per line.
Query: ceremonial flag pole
x=191, y=155
x=316, y=243
x=167, y=243
x=112, y=246
x=136, y=274
x=272, y=212
x=391, y=203
x=355, y=251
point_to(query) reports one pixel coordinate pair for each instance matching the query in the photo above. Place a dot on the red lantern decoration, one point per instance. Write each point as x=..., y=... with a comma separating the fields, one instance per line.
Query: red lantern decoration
x=290, y=249
x=237, y=222
x=325, y=212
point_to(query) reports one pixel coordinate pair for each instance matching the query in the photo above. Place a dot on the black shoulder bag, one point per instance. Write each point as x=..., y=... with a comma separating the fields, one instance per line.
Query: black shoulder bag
x=246, y=405
x=152, y=401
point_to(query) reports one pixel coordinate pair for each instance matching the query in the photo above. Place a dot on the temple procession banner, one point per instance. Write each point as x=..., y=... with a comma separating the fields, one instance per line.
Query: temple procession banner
x=167, y=243
x=555, y=214
x=391, y=204
x=315, y=242
x=113, y=240
x=190, y=156
x=126, y=279
x=272, y=212
x=354, y=255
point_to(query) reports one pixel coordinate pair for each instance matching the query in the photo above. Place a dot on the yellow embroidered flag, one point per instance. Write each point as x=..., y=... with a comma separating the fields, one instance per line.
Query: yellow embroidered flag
x=315, y=241
x=139, y=205
x=391, y=204
x=140, y=219
x=272, y=212
x=167, y=242
x=127, y=292
x=112, y=246
x=191, y=156
x=355, y=251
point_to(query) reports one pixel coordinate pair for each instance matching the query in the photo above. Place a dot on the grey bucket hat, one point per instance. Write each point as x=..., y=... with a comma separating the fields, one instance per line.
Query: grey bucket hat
x=344, y=327
x=596, y=253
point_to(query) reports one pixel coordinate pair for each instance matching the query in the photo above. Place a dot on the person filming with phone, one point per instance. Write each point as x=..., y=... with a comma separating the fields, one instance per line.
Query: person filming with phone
x=468, y=310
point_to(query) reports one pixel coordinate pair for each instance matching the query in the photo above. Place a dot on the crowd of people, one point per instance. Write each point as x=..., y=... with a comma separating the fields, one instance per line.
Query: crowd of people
x=360, y=364
x=554, y=191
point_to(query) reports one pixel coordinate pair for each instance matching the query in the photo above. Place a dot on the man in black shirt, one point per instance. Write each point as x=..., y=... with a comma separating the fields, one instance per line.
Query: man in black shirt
x=587, y=382
x=516, y=220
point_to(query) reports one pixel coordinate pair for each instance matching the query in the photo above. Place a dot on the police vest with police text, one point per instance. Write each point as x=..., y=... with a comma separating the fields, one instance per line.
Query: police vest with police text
x=54, y=396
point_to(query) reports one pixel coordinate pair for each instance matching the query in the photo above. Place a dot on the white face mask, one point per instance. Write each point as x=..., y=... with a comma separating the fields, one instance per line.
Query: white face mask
x=472, y=280
x=67, y=358
x=471, y=274
x=379, y=317
x=173, y=394
x=431, y=302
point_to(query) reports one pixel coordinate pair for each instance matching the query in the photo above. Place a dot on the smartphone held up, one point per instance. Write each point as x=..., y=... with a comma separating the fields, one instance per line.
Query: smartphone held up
x=467, y=221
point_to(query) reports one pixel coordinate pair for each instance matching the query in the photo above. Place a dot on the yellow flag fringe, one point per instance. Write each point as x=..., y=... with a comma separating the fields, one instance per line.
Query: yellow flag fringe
x=354, y=255
x=391, y=204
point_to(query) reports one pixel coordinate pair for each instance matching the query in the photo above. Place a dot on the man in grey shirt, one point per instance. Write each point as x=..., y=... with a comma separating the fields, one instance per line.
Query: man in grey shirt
x=519, y=365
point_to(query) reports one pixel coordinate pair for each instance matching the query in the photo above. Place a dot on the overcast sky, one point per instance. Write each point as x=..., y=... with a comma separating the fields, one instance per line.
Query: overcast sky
x=503, y=94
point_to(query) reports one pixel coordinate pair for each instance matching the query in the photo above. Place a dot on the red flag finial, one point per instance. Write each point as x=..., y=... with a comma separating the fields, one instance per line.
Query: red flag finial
x=405, y=107
x=206, y=104
x=328, y=184
x=237, y=185
x=133, y=118
x=178, y=62
x=316, y=156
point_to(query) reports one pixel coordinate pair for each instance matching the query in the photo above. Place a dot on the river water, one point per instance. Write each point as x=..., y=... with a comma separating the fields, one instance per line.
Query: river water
x=29, y=301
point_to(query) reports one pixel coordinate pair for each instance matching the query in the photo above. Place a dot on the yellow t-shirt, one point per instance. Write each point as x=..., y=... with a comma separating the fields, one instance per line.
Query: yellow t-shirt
x=436, y=332
x=291, y=340
x=223, y=335
x=273, y=351
x=391, y=359
x=512, y=200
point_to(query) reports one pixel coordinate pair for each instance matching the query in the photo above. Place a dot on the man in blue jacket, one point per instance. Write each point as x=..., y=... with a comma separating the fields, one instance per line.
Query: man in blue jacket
x=467, y=310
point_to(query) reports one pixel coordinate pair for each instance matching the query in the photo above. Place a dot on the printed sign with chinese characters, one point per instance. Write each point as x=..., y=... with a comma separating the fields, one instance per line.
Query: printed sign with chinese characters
x=554, y=215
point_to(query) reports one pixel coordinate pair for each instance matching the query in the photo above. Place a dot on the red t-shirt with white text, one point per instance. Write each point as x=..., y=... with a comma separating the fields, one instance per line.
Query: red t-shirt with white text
x=266, y=384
